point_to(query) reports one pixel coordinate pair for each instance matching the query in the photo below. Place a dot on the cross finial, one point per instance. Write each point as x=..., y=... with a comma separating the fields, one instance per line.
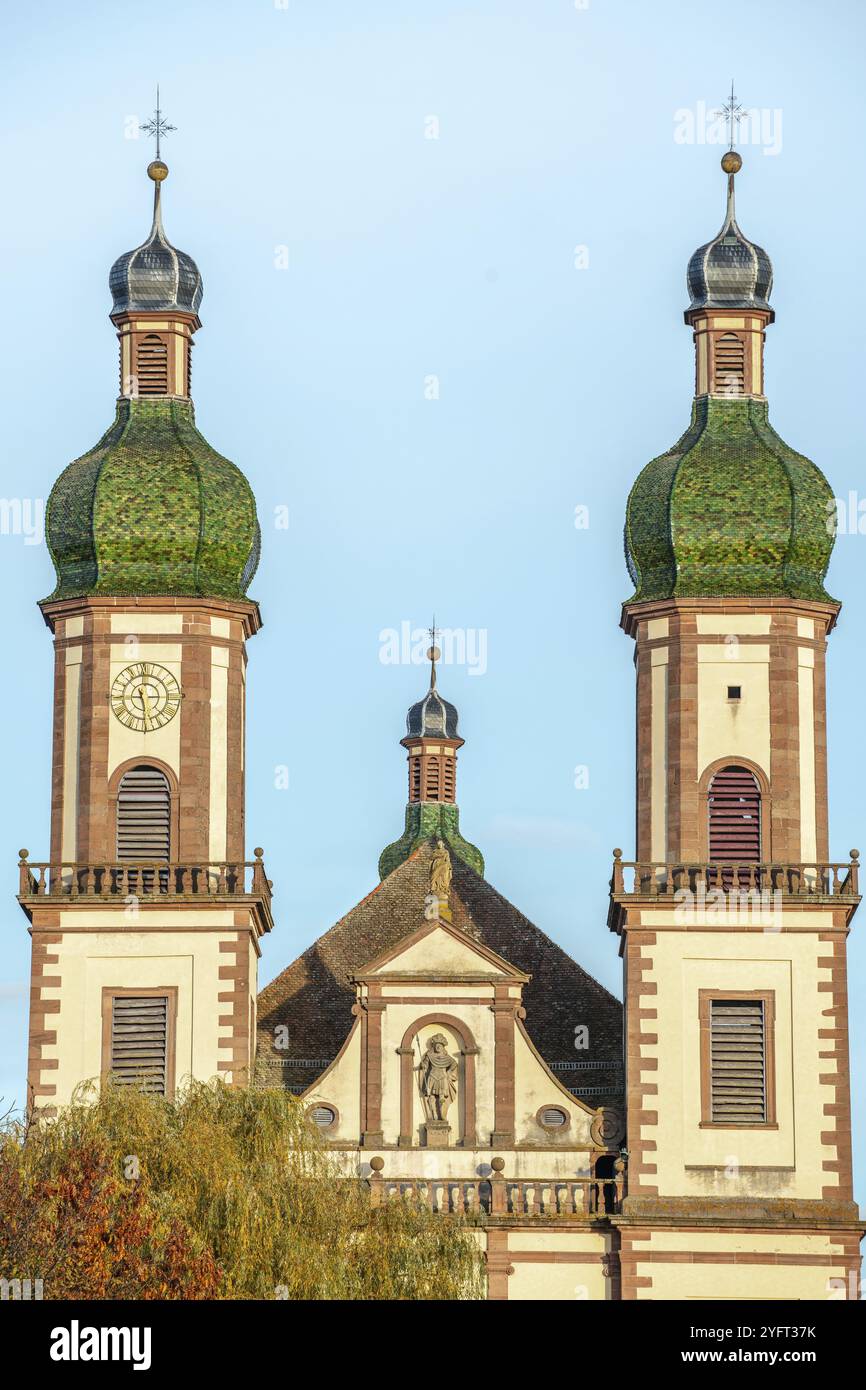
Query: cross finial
x=731, y=113
x=433, y=653
x=157, y=125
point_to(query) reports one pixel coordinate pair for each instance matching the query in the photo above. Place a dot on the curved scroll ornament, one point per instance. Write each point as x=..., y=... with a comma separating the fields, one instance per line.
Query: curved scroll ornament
x=607, y=1127
x=437, y=1078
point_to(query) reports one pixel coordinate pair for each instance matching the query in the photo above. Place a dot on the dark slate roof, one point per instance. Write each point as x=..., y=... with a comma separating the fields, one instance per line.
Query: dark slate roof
x=156, y=276
x=729, y=272
x=313, y=996
x=432, y=717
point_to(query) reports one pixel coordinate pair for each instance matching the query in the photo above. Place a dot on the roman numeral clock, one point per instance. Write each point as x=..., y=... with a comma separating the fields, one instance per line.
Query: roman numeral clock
x=145, y=696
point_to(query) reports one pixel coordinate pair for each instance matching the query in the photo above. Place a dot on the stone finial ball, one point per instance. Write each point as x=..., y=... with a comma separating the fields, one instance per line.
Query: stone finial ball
x=157, y=171
x=497, y=1164
x=377, y=1164
x=732, y=163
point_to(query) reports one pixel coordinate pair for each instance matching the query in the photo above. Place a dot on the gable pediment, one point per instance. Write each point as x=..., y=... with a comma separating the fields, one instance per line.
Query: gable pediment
x=440, y=951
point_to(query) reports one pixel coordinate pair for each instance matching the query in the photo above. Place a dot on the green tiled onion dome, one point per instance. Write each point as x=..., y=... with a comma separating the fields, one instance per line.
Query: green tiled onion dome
x=731, y=510
x=152, y=509
x=430, y=820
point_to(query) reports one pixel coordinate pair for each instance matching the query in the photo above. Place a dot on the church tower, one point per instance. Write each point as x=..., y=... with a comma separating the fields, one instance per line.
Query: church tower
x=146, y=918
x=431, y=745
x=732, y=918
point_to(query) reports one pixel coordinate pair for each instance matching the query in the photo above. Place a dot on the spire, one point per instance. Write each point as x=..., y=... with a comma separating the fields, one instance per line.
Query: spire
x=730, y=511
x=730, y=272
x=433, y=653
x=431, y=743
x=158, y=127
x=156, y=277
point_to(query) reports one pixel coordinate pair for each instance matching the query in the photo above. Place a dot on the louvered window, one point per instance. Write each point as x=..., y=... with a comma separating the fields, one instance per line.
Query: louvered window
x=738, y=1061
x=730, y=364
x=552, y=1117
x=152, y=366
x=139, y=1042
x=449, y=779
x=735, y=817
x=432, y=785
x=143, y=815
x=323, y=1116
x=415, y=779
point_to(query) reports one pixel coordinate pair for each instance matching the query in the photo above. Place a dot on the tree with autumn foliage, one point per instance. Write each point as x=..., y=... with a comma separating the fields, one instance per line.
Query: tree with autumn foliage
x=219, y=1193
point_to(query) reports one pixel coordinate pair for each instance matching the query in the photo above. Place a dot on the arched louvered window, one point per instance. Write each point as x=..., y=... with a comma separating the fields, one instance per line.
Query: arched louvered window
x=448, y=772
x=730, y=364
x=151, y=366
x=144, y=816
x=735, y=817
x=415, y=779
x=431, y=789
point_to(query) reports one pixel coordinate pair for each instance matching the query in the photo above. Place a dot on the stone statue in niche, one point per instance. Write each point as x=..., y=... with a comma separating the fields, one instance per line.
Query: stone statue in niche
x=437, y=1079
x=440, y=872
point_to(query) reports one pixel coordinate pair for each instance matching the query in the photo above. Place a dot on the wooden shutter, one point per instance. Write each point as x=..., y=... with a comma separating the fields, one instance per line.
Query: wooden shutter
x=152, y=366
x=730, y=364
x=738, y=1061
x=143, y=815
x=415, y=779
x=139, y=1042
x=735, y=817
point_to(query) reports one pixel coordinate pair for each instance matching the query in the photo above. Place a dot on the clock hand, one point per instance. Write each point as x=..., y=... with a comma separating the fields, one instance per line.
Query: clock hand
x=145, y=703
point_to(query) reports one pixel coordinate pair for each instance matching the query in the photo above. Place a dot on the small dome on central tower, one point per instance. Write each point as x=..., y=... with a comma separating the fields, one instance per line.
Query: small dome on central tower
x=155, y=277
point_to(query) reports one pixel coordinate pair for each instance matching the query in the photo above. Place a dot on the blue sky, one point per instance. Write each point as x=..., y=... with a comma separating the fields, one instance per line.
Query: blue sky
x=303, y=138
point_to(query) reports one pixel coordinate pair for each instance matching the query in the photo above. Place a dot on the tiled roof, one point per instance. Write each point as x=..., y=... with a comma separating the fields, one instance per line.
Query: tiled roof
x=313, y=996
x=731, y=510
x=152, y=509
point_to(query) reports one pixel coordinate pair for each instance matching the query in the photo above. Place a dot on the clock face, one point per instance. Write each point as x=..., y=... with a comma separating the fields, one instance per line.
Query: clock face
x=145, y=696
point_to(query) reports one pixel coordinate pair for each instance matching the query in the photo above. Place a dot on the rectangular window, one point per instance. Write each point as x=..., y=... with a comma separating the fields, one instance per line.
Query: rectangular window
x=737, y=1059
x=138, y=1029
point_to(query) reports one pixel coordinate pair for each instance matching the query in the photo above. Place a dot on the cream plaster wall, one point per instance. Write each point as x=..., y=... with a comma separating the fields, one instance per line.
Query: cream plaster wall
x=659, y=754
x=218, y=806
x=71, y=742
x=90, y=961
x=733, y=624
x=440, y=1164
x=535, y=1087
x=341, y=1087
x=710, y=1162
x=806, y=716
x=395, y=1021
x=731, y=729
x=443, y=953
x=738, y=1281
x=137, y=623
x=570, y=1281
x=125, y=744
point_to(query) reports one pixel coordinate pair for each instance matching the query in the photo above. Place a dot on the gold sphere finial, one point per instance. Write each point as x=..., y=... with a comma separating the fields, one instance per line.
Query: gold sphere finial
x=157, y=171
x=732, y=162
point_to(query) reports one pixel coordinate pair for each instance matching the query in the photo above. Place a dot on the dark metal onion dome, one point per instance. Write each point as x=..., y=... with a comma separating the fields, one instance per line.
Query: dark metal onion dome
x=730, y=272
x=432, y=717
x=155, y=277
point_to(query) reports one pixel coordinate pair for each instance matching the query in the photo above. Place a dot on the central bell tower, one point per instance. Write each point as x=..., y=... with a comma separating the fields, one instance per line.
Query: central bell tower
x=146, y=917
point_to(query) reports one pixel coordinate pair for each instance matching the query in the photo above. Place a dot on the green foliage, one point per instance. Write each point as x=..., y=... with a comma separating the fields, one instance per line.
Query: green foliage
x=223, y=1193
